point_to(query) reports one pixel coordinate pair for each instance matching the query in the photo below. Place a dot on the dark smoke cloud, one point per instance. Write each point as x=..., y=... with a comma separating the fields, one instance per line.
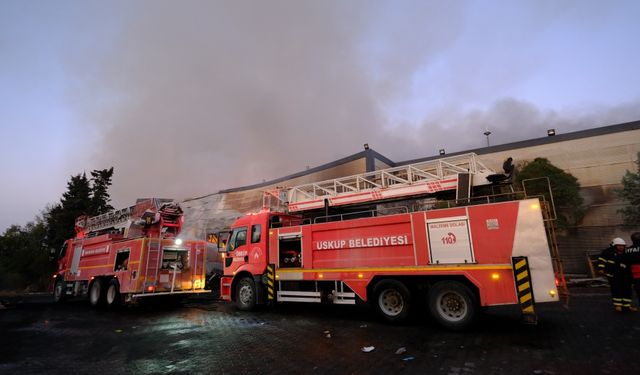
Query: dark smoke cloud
x=509, y=120
x=220, y=94
x=191, y=97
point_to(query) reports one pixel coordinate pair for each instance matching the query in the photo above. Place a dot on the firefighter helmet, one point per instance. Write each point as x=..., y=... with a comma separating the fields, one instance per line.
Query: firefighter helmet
x=618, y=241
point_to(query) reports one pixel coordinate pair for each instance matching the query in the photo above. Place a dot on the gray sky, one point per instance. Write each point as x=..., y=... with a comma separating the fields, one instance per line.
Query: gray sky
x=186, y=98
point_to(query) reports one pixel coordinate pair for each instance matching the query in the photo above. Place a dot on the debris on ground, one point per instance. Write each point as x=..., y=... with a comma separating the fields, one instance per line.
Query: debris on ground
x=401, y=350
x=595, y=282
x=368, y=349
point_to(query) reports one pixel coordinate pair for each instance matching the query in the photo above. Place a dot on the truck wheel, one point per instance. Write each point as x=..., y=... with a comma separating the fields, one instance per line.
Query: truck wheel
x=59, y=291
x=96, y=292
x=246, y=294
x=113, y=294
x=392, y=299
x=453, y=305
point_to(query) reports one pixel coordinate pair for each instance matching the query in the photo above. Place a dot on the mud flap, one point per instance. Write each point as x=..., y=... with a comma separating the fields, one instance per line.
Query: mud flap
x=271, y=284
x=524, y=289
x=265, y=286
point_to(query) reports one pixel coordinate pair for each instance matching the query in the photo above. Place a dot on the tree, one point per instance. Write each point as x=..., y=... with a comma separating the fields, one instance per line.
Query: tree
x=61, y=218
x=83, y=197
x=564, y=186
x=101, y=180
x=24, y=260
x=24, y=251
x=630, y=193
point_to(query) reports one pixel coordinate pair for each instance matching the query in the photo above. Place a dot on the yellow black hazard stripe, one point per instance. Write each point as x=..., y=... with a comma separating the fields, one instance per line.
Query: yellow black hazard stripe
x=271, y=280
x=602, y=266
x=523, y=284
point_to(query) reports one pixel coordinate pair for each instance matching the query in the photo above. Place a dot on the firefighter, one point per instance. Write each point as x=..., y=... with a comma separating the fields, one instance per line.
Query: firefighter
x=612, y=264
x=632, y=257
x=508, y=167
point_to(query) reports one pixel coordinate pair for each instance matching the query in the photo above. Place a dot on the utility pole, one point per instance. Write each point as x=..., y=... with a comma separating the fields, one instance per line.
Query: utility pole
x=487, y=133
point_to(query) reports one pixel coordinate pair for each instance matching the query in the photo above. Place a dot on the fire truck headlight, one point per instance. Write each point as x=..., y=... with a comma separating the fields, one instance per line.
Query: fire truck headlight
x=178, y=241
x=552, y=293
x=495, y=276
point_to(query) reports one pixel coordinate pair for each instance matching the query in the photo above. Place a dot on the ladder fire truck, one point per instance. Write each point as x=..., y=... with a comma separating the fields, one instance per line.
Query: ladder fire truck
x=458, y=255
x=128, y=254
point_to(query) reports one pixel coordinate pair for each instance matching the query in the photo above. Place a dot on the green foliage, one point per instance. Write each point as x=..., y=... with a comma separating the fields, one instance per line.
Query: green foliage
x=101, y=180
x=24, y=261
x=564, y=187
x=76, y=201
x=83, y=197
x=24, y=251
x=630, y=193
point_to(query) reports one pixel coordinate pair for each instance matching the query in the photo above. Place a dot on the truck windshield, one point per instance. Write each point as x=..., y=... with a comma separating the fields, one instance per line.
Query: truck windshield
x=238, y=238
x=63, y=250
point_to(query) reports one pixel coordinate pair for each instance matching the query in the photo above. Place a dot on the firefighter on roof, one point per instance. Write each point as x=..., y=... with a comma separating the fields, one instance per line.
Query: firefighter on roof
x=612, y=264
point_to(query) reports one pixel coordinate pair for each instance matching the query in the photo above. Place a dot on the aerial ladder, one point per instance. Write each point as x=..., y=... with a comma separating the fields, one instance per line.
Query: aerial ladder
x=459, y=173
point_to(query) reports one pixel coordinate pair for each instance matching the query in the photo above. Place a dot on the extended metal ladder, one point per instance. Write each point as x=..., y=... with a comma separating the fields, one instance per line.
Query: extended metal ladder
x=408, y=180
x=117, y=219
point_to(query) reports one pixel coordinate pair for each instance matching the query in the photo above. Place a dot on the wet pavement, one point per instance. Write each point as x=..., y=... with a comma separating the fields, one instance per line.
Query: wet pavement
x=204, y=336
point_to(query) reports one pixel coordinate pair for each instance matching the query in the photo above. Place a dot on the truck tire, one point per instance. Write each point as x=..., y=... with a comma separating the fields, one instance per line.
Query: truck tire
x=97, y=292
x=59, y=291
x=246, y=294
x=392, y=300
x=112, y=297
x=453, y=305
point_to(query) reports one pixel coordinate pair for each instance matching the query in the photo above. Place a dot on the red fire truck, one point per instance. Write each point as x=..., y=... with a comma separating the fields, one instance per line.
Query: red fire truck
x=473, y=253
x=128, y=254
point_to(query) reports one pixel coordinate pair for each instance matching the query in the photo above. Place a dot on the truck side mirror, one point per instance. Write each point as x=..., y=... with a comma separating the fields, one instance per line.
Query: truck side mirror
x=223, y=237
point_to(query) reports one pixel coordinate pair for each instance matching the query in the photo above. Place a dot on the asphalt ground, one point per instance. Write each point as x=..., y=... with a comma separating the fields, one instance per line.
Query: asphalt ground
x=206, y=336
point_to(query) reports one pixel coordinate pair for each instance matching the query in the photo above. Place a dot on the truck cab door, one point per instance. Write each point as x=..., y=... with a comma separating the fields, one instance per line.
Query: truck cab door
x=237, y=254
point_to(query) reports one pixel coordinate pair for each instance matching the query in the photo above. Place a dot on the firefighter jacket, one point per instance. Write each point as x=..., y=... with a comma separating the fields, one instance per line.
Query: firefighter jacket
x=632, y=258
x=611, y=263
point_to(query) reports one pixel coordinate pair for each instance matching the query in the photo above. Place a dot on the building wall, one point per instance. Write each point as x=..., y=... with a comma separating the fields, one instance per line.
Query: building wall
x=595, y=161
